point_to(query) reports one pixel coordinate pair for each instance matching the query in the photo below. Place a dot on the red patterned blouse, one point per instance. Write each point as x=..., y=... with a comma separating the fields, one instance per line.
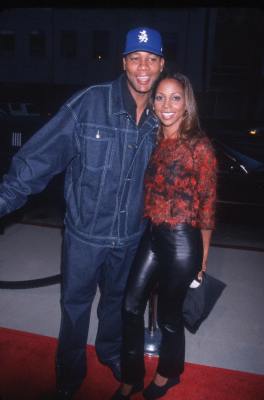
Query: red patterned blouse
x=180, y=183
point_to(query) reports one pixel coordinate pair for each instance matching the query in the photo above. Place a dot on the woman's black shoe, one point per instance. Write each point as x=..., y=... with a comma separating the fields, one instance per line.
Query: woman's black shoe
x=135, y=389
x=154, y=391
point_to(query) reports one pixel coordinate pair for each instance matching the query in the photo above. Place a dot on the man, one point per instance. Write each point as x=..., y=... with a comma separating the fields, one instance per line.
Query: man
x=103, y=137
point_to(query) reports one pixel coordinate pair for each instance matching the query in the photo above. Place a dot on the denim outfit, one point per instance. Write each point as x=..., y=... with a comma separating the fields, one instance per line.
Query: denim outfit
x=95, y=139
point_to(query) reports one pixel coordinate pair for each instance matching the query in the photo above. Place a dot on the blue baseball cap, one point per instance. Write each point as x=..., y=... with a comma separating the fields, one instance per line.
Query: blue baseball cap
x=143, y=39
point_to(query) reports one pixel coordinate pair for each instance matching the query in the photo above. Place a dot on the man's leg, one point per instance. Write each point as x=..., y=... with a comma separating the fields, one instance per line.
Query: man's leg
x=112, y=285
x=80, y=271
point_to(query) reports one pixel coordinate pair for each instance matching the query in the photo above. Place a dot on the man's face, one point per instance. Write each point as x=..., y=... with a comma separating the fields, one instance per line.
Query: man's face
x=142, y=71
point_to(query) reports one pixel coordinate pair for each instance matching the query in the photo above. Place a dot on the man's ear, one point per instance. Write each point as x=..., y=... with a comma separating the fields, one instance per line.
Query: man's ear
x=162, y=64
x=124, y=63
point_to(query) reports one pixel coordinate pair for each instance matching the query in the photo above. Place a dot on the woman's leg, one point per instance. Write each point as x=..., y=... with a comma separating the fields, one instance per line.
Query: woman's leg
x=142, y=278
x=180, y=256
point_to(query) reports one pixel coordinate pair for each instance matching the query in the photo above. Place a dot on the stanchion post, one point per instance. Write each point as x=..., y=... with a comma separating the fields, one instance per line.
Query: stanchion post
x=152, y=332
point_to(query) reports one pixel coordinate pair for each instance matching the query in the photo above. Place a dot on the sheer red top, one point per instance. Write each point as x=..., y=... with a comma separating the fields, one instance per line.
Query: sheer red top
x=180, y=183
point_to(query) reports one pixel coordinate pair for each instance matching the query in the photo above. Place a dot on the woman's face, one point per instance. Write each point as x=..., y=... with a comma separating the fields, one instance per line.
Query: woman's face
x=169, y=104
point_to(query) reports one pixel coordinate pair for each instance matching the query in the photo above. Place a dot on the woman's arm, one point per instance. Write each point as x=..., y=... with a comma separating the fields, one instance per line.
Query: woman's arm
x=207, y=196
x=206, y=237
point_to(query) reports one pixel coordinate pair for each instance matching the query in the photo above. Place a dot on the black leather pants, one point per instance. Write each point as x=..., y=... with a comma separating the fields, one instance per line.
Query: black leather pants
x=169, y=258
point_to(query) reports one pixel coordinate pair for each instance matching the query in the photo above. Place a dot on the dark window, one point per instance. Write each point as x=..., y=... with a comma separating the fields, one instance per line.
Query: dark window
x=7, y=42
x=101, y=43
x=16, y=107
x=233, y=38
x=170, y=43
x=4, y=109
x=32, y=109
x=37, y=44
x=68, y=44
x=235, y=50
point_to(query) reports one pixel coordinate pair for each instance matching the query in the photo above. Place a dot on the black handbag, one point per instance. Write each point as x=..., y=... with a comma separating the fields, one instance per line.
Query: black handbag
x=200, y=301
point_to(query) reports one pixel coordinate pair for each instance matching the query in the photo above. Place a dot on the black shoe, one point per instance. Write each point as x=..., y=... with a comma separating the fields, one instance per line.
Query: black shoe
x=63, y=394
x=115, y=368
x=154, y=391
x=135, y=389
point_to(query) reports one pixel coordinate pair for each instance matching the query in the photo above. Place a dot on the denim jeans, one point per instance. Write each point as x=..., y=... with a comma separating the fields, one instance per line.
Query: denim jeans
x=84, y=267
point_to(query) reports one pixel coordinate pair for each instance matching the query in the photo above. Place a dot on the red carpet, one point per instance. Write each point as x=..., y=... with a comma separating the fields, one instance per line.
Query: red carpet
x=27, y=372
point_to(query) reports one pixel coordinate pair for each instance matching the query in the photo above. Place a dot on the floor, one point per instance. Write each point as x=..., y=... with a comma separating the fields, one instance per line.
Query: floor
x=232, y=336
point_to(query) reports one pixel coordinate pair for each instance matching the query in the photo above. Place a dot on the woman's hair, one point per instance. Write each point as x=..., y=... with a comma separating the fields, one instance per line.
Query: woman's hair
x=190, y=125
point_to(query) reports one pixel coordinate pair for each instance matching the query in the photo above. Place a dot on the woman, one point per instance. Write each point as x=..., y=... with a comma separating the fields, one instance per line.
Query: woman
x=180, y=193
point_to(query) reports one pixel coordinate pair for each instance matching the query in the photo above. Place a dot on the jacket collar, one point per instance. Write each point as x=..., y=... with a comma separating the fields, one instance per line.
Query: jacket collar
x=117, y=103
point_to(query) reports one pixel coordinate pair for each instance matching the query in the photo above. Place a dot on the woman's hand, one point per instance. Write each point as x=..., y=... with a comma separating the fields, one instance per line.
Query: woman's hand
x=200, y=273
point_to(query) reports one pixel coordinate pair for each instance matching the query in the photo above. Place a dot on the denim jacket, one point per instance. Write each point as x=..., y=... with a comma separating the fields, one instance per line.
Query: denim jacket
x=104, y=154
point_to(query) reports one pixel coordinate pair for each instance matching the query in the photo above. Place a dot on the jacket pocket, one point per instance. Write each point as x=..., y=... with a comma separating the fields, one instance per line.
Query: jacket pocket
x=97, y=147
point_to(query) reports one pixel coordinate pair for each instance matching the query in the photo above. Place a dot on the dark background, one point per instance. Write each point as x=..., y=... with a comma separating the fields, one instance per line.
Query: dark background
x=47, y=54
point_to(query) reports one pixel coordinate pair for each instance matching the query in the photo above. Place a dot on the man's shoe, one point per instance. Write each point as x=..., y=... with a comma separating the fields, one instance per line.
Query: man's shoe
x=137, y=387
x=154, y=391
x=63, y=394
x=115, y=368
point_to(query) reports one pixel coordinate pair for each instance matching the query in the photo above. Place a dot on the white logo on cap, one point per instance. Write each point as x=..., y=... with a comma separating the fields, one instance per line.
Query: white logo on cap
x=143, y=36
